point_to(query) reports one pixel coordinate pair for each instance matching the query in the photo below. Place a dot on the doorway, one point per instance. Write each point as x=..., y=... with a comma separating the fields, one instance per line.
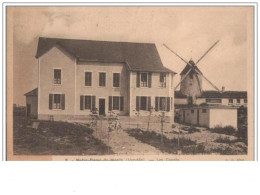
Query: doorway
x=28, y=110
x=102, y=106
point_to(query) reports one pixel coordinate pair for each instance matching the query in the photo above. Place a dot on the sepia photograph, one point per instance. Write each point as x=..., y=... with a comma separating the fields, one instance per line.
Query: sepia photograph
x=130, y=83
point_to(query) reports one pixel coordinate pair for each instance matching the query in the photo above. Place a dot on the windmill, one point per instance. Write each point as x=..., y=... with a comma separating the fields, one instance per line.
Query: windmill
x=191, y=76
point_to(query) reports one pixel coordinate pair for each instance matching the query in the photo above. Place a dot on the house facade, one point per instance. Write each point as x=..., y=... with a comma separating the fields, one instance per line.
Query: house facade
x=77, y=76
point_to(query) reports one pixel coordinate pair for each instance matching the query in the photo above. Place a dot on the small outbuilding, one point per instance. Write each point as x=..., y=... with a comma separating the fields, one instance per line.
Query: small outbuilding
x=32, y=103
x=209, y=116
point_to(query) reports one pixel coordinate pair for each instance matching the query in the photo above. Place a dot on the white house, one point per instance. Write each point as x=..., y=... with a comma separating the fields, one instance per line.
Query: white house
x=77, y=76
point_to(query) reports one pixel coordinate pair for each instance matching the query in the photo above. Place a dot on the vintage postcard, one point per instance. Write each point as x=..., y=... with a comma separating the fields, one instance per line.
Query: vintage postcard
x=130, y=83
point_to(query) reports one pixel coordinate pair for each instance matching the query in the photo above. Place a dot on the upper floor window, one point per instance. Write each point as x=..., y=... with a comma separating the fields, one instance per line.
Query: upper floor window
x=230, y=101
x=144, y=79
x=192, y=111
x=102, y=79
x=238, y=101
x=163, y=80
x=245, y=101
x=57, y=76
x=204, y=111
x=88, y=78
x=116, y=79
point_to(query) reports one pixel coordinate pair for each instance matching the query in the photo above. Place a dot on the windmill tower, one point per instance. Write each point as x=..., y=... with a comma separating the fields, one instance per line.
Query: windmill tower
x=191, y=77
x=191, y=84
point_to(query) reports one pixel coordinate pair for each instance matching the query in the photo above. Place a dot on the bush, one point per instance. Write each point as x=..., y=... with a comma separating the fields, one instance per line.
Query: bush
x=191, y=129
x=226, y=140
x=227, y=130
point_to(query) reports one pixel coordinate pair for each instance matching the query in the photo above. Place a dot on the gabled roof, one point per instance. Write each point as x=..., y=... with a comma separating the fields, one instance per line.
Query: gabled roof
x=138, y=56
x=188, y=67
x=34, y=92
x=216, y=94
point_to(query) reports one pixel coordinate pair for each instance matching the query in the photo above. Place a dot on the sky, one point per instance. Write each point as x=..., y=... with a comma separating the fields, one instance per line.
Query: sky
x=189, y=31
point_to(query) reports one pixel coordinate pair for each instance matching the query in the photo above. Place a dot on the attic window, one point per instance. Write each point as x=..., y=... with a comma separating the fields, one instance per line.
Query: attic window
x=57, y=76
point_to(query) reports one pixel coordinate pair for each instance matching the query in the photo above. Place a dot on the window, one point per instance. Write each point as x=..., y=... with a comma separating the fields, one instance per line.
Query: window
x=238, y=101
x=88, y=102
x=162, y=103
x=116, y=79
x=192, y=111
x=115, y=102
x=204, y=111
x=56, y=101
x=230, y=101
x=143, y=103
x=57, y=76
x=214, y=101
x=102, y=79
x=163, y=80
x=245, y=101
x=144, y=79
x=88, y=78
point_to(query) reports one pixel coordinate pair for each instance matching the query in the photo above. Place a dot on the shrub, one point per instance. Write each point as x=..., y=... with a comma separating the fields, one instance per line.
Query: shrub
x=227, y=130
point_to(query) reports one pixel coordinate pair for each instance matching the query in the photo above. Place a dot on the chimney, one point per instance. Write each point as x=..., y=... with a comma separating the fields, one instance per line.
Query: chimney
x=223, y=89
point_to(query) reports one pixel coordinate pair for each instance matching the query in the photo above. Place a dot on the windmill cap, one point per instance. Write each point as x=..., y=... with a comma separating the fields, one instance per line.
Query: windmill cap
x=187, y=68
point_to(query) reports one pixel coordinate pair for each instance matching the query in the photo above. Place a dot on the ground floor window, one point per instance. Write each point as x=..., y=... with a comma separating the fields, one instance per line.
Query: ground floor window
x=56, y=101
x=245, y=101
x=162, y=104
x=230, y=101
x=87, y=102
x=116, y=103
x=143, y=103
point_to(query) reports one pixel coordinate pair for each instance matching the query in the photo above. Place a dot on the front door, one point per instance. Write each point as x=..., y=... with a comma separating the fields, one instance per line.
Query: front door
x=28, y=110
x=102, y=106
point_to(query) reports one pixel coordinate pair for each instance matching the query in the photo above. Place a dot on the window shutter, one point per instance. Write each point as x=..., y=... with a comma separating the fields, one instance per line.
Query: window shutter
x=121, y=103
x=93, y=101
x=138, y=79
x=149, y=103
x=149, y=79
x=50, y=101
x=168, y=104
x=156, y=103
x=110, y=103
x=171, y=103
x=81, y=102
x=63, y=101
x=137, y=102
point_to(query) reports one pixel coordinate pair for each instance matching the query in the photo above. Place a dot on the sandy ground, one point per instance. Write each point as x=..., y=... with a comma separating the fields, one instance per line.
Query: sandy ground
x=121, y=142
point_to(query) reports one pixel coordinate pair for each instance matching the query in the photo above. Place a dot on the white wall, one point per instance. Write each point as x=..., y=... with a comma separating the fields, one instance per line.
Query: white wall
x=223, y=117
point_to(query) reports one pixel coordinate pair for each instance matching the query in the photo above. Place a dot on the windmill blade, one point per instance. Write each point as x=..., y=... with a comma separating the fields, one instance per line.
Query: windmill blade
x=198, y=82
x=177, y=55
x=207, y=52
x=182, y=79
x=208, y=81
